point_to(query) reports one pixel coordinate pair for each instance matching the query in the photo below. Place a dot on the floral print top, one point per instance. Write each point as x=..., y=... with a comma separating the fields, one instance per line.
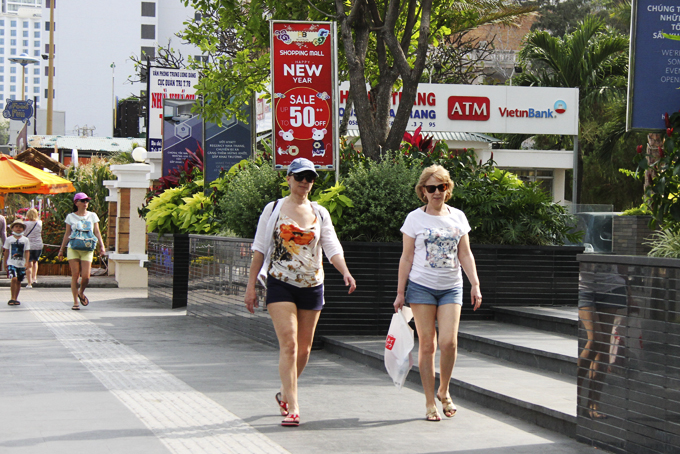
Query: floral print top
x=296, y=257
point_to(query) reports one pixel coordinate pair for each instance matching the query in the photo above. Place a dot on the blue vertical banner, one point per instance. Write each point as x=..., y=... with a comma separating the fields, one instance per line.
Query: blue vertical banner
x=654, y=75
x=227, y=145
x=182, y=134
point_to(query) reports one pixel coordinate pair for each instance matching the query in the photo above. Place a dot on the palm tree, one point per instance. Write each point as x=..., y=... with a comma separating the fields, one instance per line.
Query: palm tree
x=594, y=59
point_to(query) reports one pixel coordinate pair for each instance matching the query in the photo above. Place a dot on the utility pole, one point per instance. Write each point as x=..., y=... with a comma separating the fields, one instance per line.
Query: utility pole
x=50, y=73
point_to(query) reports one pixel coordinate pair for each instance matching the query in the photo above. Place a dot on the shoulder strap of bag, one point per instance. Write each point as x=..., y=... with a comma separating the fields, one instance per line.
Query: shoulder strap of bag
x=34, y=226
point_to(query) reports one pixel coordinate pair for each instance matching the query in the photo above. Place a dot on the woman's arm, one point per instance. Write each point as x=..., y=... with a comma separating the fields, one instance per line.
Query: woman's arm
x=338, y=261
x=64, y=242
x=405, y=264
x=467, y=261
x=251, y=294
x=98, y=234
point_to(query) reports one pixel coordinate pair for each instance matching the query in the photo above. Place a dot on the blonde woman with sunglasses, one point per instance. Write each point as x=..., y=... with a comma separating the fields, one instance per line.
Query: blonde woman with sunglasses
x=435, y=247
x=287, y=256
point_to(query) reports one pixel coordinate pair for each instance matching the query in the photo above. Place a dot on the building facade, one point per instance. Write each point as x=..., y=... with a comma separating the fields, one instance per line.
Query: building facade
x=93, y=45
x=21, y=32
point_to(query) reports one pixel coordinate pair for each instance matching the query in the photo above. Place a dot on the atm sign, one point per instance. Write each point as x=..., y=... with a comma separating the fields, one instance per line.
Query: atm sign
x=470, y=108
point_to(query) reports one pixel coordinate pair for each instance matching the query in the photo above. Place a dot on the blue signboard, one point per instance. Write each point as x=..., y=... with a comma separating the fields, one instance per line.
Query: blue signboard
x=182, y=133
x=18, y=110
x=227, y=145
x=654, y=80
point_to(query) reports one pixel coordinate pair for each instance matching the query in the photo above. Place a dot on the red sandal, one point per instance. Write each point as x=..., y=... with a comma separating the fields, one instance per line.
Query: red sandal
x=283, y=406
x=291, y=421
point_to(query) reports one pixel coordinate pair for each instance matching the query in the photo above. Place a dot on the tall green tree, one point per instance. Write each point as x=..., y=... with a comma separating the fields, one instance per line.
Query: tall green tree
x=383, y=45
x=594, y=59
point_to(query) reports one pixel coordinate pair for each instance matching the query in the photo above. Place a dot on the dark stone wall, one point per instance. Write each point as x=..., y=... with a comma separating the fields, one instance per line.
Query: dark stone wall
x=629, y=234
x=629, y=354
x=219, y=267
x=161, y=267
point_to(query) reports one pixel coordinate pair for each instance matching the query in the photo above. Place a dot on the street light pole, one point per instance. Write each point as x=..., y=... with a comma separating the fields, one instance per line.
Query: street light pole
x=23, y=60
x=113, y=96
x=50, y=73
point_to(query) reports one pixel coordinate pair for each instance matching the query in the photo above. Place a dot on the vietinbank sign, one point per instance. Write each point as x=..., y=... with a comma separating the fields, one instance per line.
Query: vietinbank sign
x=484, y=108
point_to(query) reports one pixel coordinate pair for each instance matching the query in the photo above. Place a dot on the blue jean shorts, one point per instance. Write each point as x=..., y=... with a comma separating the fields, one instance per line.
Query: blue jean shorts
x=419, y=294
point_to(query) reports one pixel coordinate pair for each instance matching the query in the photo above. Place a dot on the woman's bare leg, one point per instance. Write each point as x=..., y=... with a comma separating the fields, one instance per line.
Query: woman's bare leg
x=75, y=274
x=85, y=268
x=295, y=332
x=424, y=316
x=448, y=319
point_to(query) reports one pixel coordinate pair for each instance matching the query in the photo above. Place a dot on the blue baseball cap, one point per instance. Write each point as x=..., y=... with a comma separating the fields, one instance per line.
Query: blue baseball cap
x=301, y=165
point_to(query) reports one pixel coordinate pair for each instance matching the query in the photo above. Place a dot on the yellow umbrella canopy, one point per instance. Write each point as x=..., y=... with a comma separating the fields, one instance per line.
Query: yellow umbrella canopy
x=15, y=176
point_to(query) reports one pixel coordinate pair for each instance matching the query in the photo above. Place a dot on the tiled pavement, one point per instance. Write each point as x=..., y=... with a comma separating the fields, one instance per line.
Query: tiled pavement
x=127, y=375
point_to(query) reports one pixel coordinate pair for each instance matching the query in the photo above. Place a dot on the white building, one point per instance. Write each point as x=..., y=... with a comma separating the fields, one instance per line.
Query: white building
x=93, y=44
x=20, y=32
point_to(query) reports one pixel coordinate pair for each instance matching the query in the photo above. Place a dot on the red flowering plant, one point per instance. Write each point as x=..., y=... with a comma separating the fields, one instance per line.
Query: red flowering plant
x=190, y=172
x=416, y=143
x=662, y=168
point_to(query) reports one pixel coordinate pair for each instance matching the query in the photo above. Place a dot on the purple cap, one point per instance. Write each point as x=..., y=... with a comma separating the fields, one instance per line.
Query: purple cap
x=80, y=196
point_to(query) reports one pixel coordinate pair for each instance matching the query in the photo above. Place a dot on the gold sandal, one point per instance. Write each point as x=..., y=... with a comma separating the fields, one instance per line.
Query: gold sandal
x=447, y=406
x=433, y=415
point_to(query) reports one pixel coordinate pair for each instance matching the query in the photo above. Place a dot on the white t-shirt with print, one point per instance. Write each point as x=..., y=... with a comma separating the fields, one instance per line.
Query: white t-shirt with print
x=435, y=262
x=17, y=247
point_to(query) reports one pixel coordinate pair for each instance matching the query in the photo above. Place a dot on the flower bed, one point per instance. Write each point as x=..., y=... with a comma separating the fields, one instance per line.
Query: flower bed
x=54, y=269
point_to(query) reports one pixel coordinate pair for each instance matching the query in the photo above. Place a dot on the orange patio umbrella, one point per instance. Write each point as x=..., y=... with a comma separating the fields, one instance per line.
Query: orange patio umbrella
x=15, y=176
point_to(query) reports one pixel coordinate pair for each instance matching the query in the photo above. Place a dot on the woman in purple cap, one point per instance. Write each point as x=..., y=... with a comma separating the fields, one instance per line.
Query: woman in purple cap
x=287, y=255
x=82, y=235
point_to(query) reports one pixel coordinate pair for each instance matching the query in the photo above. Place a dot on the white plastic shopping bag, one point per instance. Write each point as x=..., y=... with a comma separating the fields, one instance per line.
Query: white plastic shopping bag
x=398, y=346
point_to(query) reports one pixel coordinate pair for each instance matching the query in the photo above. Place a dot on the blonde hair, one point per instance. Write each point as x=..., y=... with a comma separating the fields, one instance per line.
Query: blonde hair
x=441, y=174
x=32, y=214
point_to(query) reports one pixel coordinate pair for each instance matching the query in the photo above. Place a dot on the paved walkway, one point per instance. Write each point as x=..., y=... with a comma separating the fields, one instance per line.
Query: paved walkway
x=126, y=375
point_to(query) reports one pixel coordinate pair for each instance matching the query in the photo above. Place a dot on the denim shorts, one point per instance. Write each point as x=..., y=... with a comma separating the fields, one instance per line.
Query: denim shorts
x=34, y=255
x=14, y=272
x=419, y=294
x=307, y=298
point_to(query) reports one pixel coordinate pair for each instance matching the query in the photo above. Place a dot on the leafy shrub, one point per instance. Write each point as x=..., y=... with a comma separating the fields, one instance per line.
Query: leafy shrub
x=382, y=193
x=500, y=208
x=665, y=243
x=246, y=195
x=184, y=209
x=642, y=210
x=661, y=193
x=503, y=210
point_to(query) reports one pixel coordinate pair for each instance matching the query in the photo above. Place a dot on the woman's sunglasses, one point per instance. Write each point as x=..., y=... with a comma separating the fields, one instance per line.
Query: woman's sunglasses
x=309, y=176
x=442, y=188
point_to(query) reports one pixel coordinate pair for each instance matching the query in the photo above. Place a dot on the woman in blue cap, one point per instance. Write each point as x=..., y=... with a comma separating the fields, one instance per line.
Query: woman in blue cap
x=82, y=236
x=287, y=256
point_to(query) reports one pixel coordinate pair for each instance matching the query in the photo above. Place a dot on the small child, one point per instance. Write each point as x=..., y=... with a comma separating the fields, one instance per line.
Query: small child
x=15, y=258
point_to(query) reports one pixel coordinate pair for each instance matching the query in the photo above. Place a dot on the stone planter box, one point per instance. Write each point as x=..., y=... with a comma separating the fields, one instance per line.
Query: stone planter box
x=636, y=377
x=218, y=274
x=168, y=268
x=629, y=234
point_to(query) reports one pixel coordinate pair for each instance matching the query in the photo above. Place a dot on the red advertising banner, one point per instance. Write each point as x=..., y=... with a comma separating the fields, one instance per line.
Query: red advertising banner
x=303, y=92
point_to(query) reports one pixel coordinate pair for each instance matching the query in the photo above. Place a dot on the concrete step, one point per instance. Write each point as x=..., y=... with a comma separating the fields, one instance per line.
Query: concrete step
x=557, y=319
x=544, y=398
x=542, y=350
x=62, y=282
